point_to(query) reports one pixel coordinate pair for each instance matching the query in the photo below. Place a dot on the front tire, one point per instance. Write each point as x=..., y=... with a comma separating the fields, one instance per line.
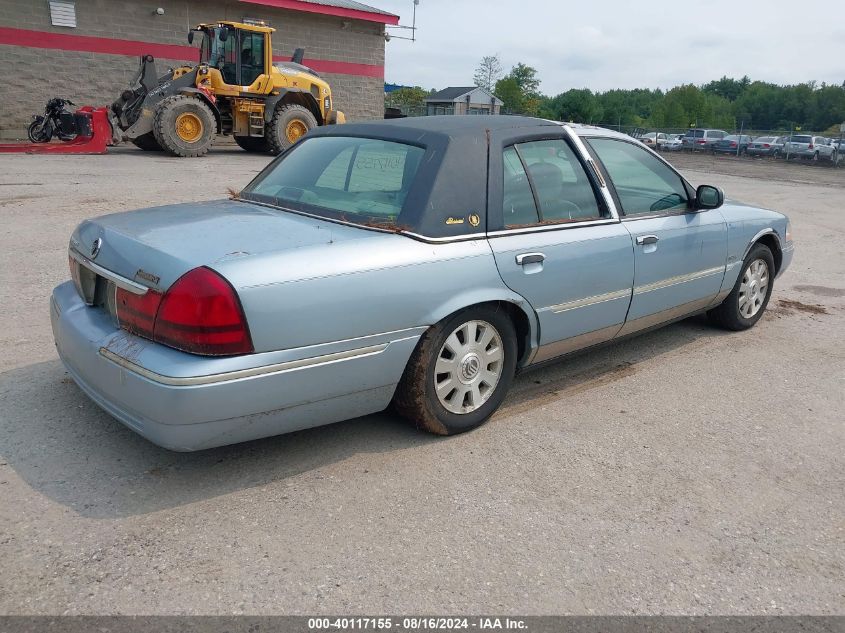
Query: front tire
x=459, y=372
x=744, y=306
x=289, y=124
x=37, y=135
x=184, y=126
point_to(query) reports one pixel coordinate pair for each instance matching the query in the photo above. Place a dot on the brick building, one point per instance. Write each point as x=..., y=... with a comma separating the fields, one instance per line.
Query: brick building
x=88, y=50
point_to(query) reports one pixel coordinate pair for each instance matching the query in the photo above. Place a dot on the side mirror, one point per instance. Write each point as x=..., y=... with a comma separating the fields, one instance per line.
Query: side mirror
x=190, y=37
x=709, y=197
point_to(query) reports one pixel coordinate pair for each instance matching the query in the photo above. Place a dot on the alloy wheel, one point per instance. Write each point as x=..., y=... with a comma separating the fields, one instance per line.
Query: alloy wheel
x=753, y=288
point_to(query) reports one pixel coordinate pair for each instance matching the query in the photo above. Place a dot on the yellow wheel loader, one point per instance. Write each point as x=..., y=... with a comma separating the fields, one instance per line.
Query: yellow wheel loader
x=235, y=90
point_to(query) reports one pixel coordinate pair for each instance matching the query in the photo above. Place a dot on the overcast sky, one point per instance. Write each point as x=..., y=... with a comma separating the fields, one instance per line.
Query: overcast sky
x=603, y=44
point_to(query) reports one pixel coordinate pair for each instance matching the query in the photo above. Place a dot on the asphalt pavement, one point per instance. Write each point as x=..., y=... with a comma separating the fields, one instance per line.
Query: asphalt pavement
x=687, y=471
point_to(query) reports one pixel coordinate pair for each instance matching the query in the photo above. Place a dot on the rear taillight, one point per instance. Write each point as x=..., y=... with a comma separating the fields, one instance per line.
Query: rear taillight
x=733, y=144
x=137, y=313
x=810, y=146
x=200, y=313
x=701, y=142
x=766, y=145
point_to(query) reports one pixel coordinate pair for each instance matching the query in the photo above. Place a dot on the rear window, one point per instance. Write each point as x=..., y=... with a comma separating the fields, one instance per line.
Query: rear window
x=731, y=137
x=359, y=180
x=765, y=139
x=696, y=133
x=802, y=139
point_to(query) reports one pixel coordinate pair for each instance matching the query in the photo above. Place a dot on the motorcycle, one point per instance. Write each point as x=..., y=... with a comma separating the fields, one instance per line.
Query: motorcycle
x=56, y=121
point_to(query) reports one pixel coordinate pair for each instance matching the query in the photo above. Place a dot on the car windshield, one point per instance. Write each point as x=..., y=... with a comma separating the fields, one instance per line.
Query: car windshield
x=358, y=180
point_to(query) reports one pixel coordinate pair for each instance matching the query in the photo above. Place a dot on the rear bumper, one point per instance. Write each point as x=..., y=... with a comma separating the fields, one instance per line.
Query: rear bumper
x=184, y=402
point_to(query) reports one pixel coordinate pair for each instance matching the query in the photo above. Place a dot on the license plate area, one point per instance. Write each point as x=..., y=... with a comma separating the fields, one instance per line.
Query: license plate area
x=96, y=291
x=85, y=281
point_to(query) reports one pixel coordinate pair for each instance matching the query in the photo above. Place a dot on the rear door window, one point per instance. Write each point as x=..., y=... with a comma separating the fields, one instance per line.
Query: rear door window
x=559, y=186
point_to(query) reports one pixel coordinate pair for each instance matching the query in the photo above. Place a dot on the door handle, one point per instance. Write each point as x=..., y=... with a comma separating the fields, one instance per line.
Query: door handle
x=530, y=258
x=647, y=239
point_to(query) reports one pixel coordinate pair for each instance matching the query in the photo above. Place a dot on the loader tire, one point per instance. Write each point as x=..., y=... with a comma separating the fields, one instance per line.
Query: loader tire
x=253, y=143
x=289, y=124
x=147, y=142
x=184, y=126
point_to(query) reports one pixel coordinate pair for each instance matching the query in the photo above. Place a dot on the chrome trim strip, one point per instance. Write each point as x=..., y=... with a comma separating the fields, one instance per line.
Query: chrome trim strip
x=766, y=231
x=588, y=160
x=664, y=316
x=442, y=240
x=276, y=368
x=678, y=279
x=588, y=301
x=120, y=282
x=575, y=343
x=552, y=227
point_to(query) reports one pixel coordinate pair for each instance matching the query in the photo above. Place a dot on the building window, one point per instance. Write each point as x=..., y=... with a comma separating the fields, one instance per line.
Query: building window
x=63, y=13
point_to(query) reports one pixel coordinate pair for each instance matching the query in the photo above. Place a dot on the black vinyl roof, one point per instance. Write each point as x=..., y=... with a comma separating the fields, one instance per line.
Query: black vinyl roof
x=446, y=125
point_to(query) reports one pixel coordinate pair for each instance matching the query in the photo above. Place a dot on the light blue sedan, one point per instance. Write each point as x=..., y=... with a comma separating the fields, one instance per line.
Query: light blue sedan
x=417, y=262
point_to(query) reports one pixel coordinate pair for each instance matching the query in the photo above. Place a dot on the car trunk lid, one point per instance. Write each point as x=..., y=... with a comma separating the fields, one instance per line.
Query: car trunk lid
x=154, y=247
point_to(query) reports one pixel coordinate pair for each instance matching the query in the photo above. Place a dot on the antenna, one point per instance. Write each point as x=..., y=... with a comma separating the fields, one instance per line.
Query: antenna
x=413, y=28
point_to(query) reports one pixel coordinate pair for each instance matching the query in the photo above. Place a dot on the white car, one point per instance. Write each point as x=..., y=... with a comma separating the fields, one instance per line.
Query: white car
x=655, y=140
x=674, y=143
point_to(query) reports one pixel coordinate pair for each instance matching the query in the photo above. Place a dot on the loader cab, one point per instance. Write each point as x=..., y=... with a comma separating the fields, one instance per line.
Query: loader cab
x=242, y=56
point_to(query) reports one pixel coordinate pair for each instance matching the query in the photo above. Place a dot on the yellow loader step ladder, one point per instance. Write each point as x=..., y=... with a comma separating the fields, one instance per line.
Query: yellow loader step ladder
x=253, y=112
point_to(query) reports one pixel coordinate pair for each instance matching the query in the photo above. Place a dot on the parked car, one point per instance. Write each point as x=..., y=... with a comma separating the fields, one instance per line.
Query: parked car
x=674, y=143
x=698, y=139
x=766, y=146
x=809, y=147
x=839, y=146
x=420, y=262
x=732, y=144
x=655, y=140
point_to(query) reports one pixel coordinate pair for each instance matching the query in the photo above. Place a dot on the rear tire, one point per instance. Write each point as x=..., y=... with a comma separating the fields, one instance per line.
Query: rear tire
x=459, y=372
x=252, y=143
x=289, y=123
x=147, y=142
x=184, y=126
x=744, y=306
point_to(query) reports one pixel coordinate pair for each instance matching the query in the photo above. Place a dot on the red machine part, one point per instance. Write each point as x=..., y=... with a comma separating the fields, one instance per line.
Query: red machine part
x=101, y=136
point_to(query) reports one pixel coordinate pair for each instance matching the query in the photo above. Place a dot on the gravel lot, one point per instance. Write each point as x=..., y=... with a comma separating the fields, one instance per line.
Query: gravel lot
x=686, y=471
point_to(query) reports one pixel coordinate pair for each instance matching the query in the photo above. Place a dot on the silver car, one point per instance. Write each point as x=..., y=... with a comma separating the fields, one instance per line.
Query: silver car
x=766, y=146
x=700, y=139
x=419, y=262
x=809, y=147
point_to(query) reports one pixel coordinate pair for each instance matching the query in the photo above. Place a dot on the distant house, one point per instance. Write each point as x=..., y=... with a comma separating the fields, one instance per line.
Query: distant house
x=463, y=100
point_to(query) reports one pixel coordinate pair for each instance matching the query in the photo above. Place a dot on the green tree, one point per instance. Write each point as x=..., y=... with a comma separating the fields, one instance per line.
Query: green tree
x=508, y=91
x=488, y=72
x=406, y=97
x=580, y=106
x=525, y=77
x=518, y=90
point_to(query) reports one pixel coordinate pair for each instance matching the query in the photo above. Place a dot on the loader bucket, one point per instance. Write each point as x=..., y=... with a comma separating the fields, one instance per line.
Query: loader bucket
x=95, y=137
